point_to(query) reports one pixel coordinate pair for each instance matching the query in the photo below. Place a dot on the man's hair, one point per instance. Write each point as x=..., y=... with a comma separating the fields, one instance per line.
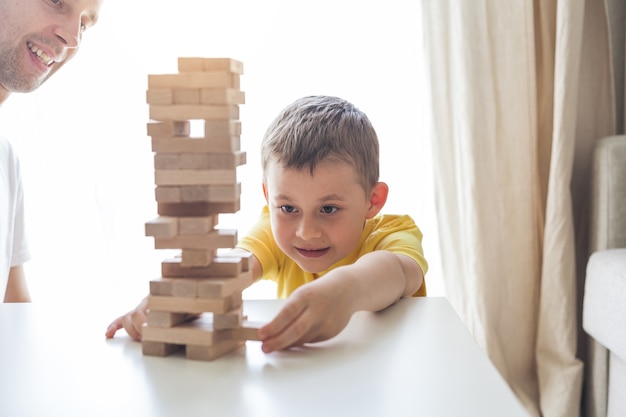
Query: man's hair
x=320, y=128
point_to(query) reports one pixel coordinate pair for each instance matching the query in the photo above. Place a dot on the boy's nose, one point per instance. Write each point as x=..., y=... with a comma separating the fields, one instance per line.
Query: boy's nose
x=308, y=229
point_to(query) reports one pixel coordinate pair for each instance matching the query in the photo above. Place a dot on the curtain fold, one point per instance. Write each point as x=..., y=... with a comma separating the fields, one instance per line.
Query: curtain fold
x=509, y=82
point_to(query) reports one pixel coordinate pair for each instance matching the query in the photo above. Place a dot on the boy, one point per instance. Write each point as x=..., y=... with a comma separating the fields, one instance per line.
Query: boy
x=320, y=237
x=36, y=39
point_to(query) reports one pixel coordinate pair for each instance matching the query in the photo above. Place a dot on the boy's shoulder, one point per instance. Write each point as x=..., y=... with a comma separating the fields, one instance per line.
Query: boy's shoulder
x=390, y=223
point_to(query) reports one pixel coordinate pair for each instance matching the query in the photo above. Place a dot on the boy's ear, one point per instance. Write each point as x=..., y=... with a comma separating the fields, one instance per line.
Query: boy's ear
x=265, y=192
x=378, y=198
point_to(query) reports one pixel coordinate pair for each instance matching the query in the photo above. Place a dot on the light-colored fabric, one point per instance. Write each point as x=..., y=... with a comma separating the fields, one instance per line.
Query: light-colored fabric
x=607, y=230
x=397, y=234
x=604, y=310
x=13, y=246
x=596, y=380
x=608, y=201
x=616, y=406
x=520, y=91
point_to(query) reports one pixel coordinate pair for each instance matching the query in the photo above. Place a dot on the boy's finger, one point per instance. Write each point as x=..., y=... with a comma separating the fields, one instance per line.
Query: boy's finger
x=286, y=328
x=295, y=334
x=113, y=328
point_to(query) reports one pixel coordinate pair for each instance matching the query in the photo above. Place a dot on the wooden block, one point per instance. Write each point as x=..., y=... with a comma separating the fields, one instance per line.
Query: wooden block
x=162, y=227
x=196, y=225
x=209, y=353
x=167, y=161
x=149, y=348
x=219, y=267
x=182, y=145
x=168, y=194
x=186, y=96
x=161, y=96
x=193, y=305
x=249, y=330
x=227, y=160
x=197, y=208
x=221, y=193
x=243, y=256
x=196, y=79
x=222, y=96
x=195, y=177
x=194, y=193
x=193, y=64
x=221, y=128
x=162, y=286
x=246, y=260
x=199, y=160
x=223, y=287
x=200, y=287
x=167, y=319
x=169, y=129
x=194, y=112
x=196, y=257
x=167, y=96
x=215, y=239
x=226, y=193
x=185, y=287
x=198, y=332
x=229, y=320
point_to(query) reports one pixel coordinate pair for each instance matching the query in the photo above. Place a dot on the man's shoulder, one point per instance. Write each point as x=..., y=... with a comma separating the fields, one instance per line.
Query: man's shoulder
x=7, y=154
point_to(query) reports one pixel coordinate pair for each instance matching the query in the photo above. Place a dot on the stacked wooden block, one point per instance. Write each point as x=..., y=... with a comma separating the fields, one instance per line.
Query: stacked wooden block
x=196, y=304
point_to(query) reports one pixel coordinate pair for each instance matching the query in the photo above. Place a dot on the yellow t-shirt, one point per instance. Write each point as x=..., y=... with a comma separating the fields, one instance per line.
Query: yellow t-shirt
x=393, y=233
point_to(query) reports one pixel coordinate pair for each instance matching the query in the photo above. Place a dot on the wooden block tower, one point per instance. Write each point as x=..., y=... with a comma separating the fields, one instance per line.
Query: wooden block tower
x=196, y=304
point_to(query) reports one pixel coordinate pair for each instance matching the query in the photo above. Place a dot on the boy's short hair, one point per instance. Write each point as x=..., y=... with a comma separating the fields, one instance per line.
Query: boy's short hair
x=317, y=128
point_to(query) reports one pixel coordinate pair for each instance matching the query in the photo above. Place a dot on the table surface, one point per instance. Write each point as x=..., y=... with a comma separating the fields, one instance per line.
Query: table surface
x=415, y=358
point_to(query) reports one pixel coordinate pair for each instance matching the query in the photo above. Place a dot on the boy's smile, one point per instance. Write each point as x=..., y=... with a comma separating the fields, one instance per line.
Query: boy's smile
x=312, y=253
x=317, y=218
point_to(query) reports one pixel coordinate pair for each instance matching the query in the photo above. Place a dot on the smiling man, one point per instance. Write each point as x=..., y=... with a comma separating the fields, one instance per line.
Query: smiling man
x=37, y=37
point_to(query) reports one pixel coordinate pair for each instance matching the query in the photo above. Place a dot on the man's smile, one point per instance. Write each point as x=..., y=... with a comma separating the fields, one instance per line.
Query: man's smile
x=40, y=54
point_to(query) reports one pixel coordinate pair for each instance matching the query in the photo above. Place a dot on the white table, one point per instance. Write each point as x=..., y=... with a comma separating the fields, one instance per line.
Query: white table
x=416, y=358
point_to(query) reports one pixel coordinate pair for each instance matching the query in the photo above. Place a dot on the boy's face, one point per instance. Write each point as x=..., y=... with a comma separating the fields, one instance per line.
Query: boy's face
x=37, y=37
x=317, y=219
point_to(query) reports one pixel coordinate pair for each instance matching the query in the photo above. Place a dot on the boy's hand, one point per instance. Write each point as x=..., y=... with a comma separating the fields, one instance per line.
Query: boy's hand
x=132, y=322
x=314, y=312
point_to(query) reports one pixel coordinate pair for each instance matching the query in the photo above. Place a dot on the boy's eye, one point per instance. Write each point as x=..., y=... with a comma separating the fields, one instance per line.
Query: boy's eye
x=56, y=2
x=329, y=209
x=288, y=209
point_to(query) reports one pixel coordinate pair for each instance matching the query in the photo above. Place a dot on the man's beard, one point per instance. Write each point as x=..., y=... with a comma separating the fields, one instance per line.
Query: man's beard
x=12, y=78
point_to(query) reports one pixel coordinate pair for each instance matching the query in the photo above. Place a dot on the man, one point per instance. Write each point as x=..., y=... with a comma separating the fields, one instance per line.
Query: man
x=37, y=37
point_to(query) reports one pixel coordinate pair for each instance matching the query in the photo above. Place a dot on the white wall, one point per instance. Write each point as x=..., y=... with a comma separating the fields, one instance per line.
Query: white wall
x=86, y=158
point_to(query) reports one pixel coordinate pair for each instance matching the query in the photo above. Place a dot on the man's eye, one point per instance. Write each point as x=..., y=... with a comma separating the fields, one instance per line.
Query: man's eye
x=329, y=209
x=288, y=209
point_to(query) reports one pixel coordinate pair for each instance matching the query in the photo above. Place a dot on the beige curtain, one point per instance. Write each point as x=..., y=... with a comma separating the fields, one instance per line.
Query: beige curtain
x=520, y=90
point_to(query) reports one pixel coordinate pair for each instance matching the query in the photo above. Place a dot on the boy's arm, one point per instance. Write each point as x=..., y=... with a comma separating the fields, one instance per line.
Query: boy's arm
x=17, y=290
x=321, y=309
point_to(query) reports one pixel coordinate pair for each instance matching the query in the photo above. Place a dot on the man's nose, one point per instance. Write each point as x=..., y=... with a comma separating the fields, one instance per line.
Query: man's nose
x=69, y=31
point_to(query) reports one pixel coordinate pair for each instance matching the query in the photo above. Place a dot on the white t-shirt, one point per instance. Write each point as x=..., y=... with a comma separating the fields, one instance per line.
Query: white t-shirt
x=13, y=244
